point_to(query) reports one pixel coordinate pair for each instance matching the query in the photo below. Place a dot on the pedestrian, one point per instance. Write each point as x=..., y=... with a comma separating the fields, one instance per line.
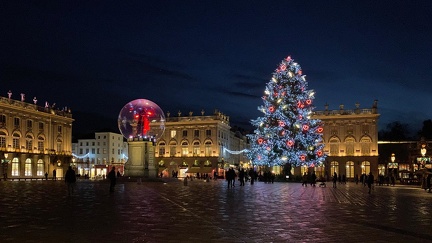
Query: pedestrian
x=46, y=175
x=370, y=181
x=70, y=179
x=112, y=178
x=313, y=179
x=428, y=181
x=241, y=177
x=335, y=178
x=305, y=179
x=54, y=175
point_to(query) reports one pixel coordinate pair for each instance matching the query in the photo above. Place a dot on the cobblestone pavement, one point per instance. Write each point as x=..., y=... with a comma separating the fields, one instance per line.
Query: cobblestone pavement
x=41, y=211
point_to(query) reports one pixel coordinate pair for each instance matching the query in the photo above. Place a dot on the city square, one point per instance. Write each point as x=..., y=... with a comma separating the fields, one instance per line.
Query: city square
x=170, y=211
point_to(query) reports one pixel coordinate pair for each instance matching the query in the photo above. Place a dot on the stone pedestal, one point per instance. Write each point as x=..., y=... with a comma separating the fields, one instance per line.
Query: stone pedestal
x=141, y=159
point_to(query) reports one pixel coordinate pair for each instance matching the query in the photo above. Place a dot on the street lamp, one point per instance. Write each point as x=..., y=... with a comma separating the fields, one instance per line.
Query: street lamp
x=393, y=158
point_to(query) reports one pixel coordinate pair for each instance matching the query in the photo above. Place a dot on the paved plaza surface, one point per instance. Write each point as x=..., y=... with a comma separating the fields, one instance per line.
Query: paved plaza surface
x=41, y=211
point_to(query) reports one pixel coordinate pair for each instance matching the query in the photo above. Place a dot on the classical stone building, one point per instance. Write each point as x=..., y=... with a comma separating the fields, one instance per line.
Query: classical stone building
x=351, y=141
x=34, y=139
x=199, y=144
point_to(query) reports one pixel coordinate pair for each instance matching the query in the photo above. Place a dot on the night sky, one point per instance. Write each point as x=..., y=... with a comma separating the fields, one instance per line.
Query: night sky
x=96, y=56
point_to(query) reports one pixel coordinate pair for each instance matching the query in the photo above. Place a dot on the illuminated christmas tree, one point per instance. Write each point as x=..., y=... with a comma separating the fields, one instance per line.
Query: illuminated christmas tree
x=286, y=133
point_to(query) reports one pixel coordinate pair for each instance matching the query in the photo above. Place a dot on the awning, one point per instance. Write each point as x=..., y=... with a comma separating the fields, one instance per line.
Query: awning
x=200, y=170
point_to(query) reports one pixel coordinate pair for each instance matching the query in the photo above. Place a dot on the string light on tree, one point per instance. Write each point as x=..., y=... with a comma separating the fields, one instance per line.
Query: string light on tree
x=285, y=133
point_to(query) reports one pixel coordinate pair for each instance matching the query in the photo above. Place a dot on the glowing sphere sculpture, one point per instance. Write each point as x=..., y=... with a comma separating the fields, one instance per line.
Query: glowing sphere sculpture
x=141, y=118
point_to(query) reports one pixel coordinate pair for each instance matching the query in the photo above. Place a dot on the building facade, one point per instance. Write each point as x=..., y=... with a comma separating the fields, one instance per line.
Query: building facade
x=34, y=140
x=351, y=142
x=94, y=157
x=201, y=144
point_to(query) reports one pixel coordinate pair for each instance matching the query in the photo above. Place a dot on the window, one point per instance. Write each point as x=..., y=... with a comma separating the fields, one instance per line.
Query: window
x=112, y=151
x=15, y=167
x=29, y=142
x=161, y=149
x=3, y=119
x=87, y=151
x=40, y=168
x=173, y=149
x=16, y=141
x=93, y=151
x=29, y=124
x=365, y=167
x=173, y=133
x=207, y=151
x=196, y=163
x=185, y=150
x=98, y=151
x=334, y=167
x=28, y=168
x=208, y=133
x=2, y=140
x=349, y=146
x=41, y=126
x=196, y=133
x=93, y=143
x=59, y=145
x=184, y=133
x=334, y=147
x=16, y=122
x=196, y=148
x=41, y=141
x=104, y=151
x=350, y=169
x=365, y=146
x=59, y=129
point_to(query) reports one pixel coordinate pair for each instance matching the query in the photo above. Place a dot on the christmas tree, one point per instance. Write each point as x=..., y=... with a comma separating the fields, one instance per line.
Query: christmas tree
x=286, y=133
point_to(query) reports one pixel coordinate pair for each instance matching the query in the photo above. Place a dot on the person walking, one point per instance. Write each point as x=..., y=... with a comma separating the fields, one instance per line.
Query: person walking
x=335, y=179
x=112, y=178
x=241, y=177
x=70, y=179
x=54, y=175
x=370, y=181
x=46, y=176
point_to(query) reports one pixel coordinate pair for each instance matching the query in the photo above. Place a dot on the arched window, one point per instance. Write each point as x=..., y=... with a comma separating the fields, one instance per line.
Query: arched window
x=173, y=149
x=185, y=149
x=349, y=169
x=28, y=167
x=41, y=142
x=29, y=142
x=16, y=141
x=15, y=167
x=2, y=140
x=196, y=148
x=40, y=167
x=334, y=167
x=365, y=146
x=196, y=163
x=162, y=149
x=334, y=147
x=365, y=167
x=349, y=142
x=207, y=151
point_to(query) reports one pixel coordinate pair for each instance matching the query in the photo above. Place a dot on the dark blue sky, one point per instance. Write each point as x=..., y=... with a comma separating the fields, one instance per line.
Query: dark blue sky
x=95, y=56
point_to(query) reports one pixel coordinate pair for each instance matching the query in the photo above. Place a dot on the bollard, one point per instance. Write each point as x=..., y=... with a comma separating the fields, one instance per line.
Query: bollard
x=185, y=181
